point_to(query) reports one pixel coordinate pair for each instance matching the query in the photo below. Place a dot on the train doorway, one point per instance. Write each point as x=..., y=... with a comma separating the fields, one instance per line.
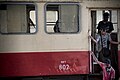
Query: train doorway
x=96, y=17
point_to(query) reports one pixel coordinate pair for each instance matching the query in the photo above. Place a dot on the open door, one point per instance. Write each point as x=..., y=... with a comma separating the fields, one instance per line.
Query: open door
x=96, y=16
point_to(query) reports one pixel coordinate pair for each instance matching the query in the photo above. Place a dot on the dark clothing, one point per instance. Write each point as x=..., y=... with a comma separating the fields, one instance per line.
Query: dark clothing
x=56, y=27
x=104, y=54
x=105, y=25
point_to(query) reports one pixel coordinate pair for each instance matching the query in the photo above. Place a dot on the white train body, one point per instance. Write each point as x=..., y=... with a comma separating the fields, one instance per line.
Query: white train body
x=17, y=41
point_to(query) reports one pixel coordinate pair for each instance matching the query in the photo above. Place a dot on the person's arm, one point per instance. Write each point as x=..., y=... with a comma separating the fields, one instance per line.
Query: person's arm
x=95, y=41
x=113, y=42
x=94, y=57
x=113, y=74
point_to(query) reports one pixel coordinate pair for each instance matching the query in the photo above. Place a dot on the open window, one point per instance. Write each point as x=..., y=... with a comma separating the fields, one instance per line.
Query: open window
x=17, y=18
x=62, y=18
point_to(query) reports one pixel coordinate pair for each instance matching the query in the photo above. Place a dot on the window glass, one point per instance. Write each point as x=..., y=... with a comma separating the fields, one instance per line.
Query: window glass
x=114, y=16
x=17, y=18
x=99, y=16
x=33, y=21
x=51, y=20
x=62, y=18
x=115, y=26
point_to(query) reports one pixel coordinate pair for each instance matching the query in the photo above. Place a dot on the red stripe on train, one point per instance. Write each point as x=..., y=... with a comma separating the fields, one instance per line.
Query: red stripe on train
x=44, y=63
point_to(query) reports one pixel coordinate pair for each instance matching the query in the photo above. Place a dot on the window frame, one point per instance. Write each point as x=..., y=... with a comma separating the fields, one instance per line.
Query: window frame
x=63, y=3
x=36, y=20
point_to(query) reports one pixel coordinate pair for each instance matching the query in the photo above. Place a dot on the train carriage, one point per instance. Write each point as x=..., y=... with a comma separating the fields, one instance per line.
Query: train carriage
x=41, y=38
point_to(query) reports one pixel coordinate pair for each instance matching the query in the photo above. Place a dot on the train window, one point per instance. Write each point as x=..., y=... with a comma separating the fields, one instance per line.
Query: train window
x=17, y=18
x=62, y=18
x=114, y=19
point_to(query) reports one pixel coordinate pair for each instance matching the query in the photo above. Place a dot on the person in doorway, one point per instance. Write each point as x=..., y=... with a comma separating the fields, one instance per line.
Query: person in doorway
x=108, y=71
x=102, y=44
x=105, y=24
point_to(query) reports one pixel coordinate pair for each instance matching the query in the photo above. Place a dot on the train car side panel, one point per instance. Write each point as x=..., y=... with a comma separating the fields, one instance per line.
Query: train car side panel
x=44, y=63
